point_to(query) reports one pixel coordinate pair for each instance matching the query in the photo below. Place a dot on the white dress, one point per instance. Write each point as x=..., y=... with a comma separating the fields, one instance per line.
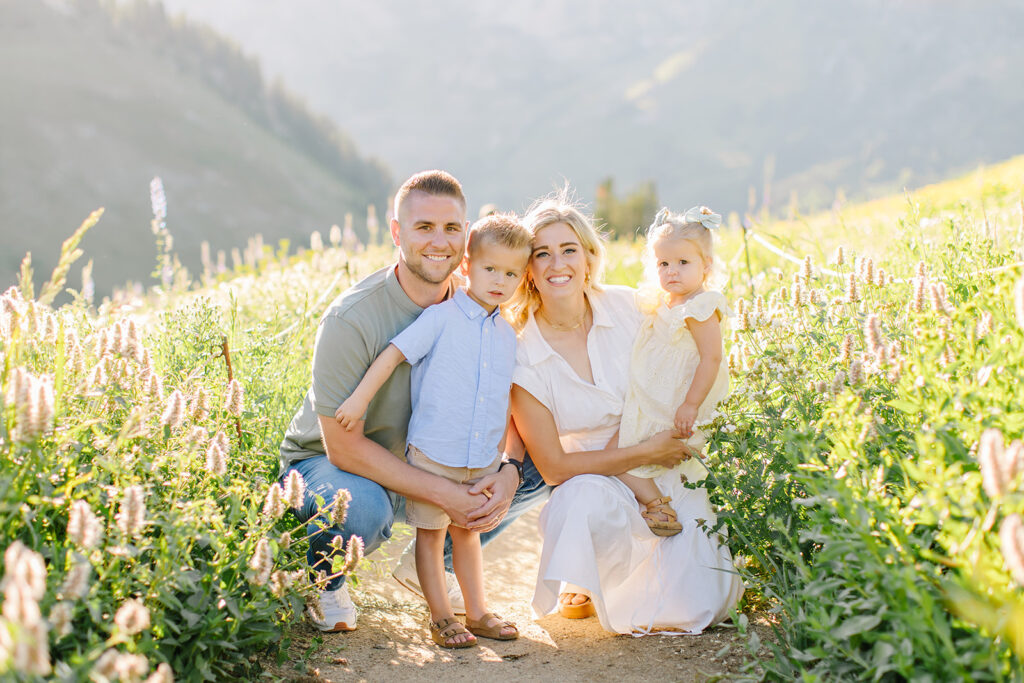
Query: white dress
x=661, y=369
x=594, y=536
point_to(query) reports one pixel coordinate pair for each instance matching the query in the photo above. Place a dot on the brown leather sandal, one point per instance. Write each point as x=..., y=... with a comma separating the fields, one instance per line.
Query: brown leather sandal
x=660, y=527
x=480, y=627
x=443, y=630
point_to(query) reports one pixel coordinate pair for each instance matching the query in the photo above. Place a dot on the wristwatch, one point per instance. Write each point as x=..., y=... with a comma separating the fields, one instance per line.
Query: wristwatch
x=515, y=463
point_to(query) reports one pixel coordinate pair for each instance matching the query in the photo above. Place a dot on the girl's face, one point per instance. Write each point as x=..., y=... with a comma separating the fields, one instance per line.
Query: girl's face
x=681, y=268
x=558, y=264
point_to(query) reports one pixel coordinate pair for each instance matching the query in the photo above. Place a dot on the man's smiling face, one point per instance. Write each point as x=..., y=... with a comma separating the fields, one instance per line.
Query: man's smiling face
x=431, y=235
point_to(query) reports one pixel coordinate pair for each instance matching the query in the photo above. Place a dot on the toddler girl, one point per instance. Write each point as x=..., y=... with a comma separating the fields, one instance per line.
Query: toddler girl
x=676, y=373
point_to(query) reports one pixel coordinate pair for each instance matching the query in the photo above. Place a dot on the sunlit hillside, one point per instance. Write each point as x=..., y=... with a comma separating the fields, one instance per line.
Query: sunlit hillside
x=98, y=103
x=868, y=463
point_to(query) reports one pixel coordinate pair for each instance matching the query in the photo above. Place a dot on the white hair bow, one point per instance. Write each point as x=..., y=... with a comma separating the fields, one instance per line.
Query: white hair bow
x=703, y=215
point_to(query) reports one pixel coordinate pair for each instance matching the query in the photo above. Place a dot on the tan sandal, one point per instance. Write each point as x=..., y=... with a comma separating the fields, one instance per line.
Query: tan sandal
x=480, y=628
x=660, y=527
x=443, y=630
x=580, y=611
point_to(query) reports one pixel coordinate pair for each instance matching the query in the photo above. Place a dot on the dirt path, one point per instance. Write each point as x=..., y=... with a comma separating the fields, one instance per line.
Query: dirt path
x=392, y=642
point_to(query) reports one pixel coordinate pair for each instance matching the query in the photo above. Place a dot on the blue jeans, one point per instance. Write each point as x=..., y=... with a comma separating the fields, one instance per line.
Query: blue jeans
x=374, y=509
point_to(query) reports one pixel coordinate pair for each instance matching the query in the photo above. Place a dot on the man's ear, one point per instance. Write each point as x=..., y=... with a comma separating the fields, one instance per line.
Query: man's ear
x=394, y=232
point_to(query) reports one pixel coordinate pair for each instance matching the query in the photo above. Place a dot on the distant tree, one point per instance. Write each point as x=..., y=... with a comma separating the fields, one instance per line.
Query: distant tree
x=628, y=216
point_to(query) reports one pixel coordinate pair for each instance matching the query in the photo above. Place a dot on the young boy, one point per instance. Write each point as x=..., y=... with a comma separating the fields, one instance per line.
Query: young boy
x=463, y=353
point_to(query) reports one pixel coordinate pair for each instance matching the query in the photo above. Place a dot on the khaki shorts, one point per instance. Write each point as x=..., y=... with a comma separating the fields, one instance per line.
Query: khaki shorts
x=427, y=516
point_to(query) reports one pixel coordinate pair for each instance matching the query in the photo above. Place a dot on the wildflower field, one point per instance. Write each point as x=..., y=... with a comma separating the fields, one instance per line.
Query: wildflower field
x=868, y=464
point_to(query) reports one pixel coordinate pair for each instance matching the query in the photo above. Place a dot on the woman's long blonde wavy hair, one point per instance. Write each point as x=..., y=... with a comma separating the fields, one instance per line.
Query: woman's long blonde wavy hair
x=558, y=208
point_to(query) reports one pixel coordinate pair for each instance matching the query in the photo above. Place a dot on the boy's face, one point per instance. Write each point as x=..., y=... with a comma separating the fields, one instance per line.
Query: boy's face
x=493, y=272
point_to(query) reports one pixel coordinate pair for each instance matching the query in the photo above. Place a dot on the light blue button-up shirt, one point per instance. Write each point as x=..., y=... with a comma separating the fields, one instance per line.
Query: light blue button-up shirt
x=462, y=361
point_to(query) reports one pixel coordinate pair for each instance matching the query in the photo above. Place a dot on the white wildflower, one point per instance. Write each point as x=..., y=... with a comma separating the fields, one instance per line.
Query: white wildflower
x=131, y=668
x=174, y=413
x=273, y=504
x=60, y=618
x=294, y=489
x=340, y=506
x=852, y=295
x=76, y=583
x=19, y=606
x=163, y=674
x=233, y=403
x=131, y=516
x=132, y=617
x=262, y=562
x=27, y=567
x=215, y=461
x=83, y=526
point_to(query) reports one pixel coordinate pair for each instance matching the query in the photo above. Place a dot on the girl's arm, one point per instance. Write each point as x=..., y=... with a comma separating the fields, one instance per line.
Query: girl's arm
x=708, y=336
x=537, y=429
x=354, y=407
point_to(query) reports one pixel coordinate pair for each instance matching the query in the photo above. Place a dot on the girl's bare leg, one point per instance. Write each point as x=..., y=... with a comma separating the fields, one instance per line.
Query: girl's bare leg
x=644, y=489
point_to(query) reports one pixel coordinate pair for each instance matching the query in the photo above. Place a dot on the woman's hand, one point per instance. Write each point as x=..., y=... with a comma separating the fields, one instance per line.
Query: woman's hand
x=667, y=450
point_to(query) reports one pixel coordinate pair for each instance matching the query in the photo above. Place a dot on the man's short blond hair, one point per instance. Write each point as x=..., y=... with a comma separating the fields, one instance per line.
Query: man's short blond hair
x=504, y=229
x=437, y=183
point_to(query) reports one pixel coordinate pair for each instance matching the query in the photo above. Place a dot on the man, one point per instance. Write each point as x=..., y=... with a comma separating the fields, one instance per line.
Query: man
x=429, y=228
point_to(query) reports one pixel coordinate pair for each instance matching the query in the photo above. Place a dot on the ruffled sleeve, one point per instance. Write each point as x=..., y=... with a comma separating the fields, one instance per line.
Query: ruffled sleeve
x=704, y=304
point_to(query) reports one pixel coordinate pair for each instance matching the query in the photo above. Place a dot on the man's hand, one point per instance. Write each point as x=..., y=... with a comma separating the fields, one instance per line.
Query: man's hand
x=350, y=412
x=686, y=415
x=502, y=486
x=461, y=504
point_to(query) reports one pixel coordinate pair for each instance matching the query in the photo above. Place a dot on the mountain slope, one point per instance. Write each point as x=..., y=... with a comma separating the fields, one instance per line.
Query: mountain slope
x=706, y=99
x=90, y=115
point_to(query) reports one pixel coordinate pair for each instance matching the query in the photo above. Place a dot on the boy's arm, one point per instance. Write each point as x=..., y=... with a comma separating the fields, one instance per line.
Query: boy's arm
x=353, y=452
x=353, y=409
x=707, y=334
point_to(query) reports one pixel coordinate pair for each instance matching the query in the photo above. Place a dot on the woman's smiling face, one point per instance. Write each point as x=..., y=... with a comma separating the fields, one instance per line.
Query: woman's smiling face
x=558, y=264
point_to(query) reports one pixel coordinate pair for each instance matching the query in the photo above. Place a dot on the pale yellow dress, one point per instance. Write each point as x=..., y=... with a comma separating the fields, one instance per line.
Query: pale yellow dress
x=661, y=369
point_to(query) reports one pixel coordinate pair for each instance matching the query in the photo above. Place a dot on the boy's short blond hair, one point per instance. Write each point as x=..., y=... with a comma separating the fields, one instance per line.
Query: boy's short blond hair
x=504, y=229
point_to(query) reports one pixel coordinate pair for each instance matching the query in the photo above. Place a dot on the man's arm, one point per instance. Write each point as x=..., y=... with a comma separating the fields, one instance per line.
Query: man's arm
x=353, y=452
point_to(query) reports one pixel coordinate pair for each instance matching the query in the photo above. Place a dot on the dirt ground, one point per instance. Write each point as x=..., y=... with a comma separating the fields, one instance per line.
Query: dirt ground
x=392, y=642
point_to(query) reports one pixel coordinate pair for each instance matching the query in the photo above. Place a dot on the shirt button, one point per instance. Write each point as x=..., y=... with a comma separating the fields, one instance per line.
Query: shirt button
x=481, y=399
x=485, y=364
x=476, y=435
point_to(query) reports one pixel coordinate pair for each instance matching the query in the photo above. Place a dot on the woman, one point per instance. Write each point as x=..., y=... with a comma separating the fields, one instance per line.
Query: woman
x=567, y=395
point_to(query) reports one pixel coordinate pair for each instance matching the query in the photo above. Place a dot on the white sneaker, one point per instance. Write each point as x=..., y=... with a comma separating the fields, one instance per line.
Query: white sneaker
x=337, y=610
x=405, y=574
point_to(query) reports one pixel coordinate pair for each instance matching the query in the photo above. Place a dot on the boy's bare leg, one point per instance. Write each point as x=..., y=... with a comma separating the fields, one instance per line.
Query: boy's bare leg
x=468, y=561
x=430, y=570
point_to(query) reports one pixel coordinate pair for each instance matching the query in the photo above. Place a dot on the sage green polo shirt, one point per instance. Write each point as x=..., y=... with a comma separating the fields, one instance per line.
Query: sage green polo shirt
x=357, y=326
